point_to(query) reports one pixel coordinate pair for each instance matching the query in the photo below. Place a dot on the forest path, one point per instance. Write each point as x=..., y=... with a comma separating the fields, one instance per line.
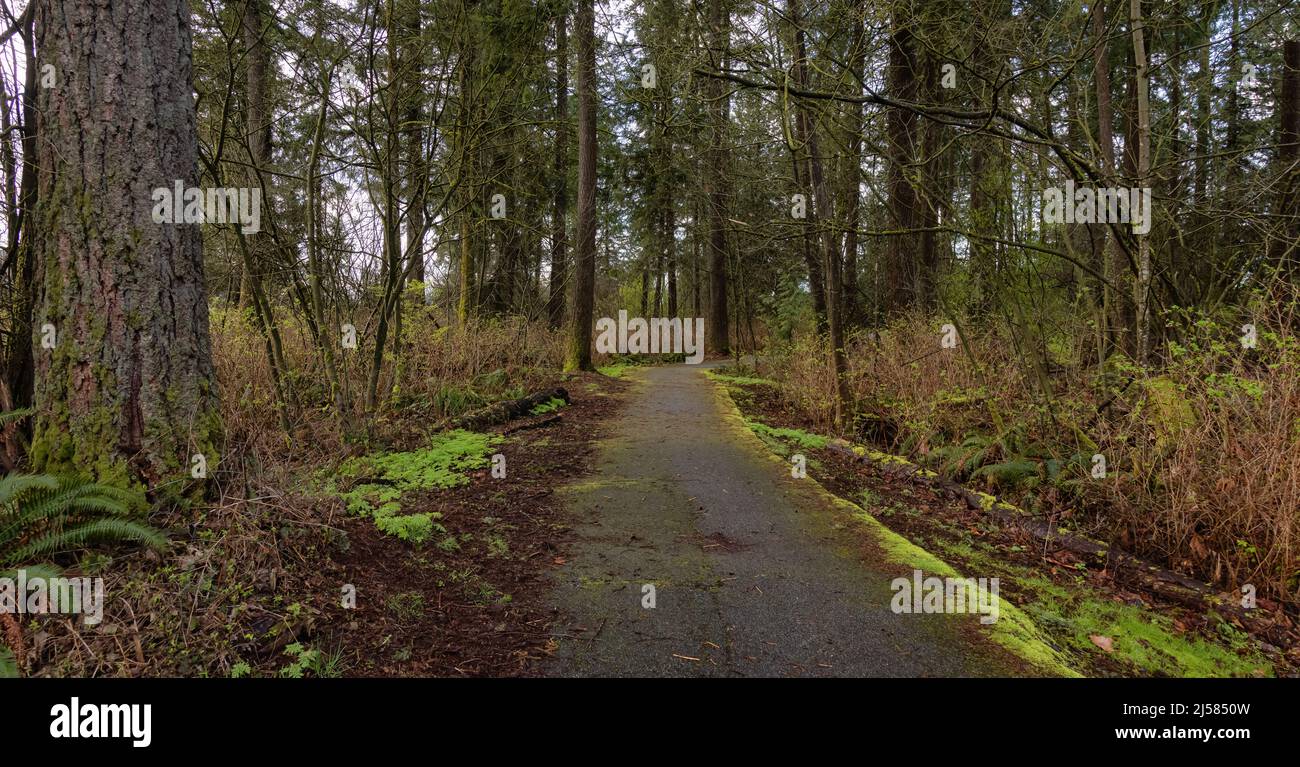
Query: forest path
x=752, y=575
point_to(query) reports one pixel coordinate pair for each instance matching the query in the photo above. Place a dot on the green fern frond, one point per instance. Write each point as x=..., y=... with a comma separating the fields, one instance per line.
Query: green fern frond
x=70, y=499
x=45, y=572
x=10, y=416
x=99, y=531
x=1010, y=472
x=16, y=484
x=42, y=515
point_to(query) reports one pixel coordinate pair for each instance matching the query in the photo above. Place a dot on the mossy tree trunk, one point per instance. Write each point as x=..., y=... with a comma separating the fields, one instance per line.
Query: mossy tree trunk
x=127, y=394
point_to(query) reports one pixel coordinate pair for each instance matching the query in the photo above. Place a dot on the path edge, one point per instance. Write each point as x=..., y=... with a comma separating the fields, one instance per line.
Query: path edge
x=1014, y=631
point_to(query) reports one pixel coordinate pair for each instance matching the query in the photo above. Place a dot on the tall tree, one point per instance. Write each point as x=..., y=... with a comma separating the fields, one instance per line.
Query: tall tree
x=584, y=271
x=127, y=393
x=852, y=311
x=1286, y=244
x=560, y=211
x=1143, y=297
x=718, y=334
x=903, y=248
x=1115, y=304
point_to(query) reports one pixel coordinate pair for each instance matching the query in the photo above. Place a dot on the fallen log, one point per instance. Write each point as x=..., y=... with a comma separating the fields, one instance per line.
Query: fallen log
x=506, y=410
x=532, y=423
x=1171, y=585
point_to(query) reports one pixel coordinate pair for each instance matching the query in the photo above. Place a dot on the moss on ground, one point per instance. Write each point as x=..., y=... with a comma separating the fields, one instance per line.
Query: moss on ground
x=773, y=437
x=738, y=380
x=380, y=480
x=617, y=370
x=1145, y=641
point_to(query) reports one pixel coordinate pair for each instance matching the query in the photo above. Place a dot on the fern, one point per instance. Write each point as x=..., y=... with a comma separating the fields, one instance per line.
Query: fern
x=1011, y=473
x=12, y=416
x=42, y=515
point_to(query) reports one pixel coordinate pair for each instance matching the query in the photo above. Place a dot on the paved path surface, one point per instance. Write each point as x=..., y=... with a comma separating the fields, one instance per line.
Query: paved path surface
x=752, y=575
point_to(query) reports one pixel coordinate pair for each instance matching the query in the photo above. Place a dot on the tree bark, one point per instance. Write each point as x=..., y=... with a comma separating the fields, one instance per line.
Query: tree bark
x=1116, y=307
x=718, y=334
x=899, y=289
x=853, y=175
x=584, y=273
x=560, y=212
x=1143, y=297
x=1287, y=241
x=128, y=393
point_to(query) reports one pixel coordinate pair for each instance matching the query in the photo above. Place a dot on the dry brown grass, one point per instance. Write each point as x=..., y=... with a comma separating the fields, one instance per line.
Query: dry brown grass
x=441, y=371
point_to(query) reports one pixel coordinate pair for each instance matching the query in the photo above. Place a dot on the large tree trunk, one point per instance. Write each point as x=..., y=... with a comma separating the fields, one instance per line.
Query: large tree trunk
x=718, y=334
x=902, y=249
x=584, y=272
x=259, y=131
x=929, y=197
x=1115, y=305
x=853, y=174
x=128, y=393
x=989, y=168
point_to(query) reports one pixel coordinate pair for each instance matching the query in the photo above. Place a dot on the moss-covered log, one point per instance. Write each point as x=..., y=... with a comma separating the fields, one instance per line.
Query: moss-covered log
x=506, y=410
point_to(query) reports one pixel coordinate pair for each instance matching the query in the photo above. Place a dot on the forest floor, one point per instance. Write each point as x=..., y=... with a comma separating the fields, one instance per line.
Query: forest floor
x=652, y=527
x=472, y=602
x=655, y=529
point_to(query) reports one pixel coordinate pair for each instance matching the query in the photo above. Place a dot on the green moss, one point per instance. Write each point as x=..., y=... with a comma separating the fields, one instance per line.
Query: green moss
x=617, y=370
x=1147, y=642
x=382, y=479
x=739, y=380
x=1014, y=630
x=797, y=437
x=1172, y=415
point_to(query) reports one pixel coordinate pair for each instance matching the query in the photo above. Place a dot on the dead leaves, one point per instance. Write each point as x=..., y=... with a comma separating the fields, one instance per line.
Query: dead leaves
x=1104, y=642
